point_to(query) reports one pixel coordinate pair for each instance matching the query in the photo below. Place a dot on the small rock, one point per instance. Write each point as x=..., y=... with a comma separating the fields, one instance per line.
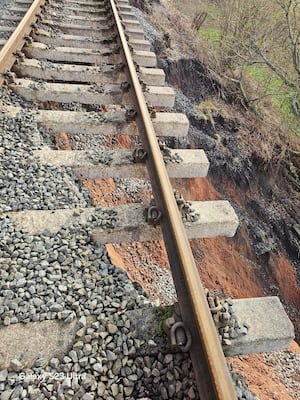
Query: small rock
x=73, y=356
x=3, y=375
x=88, y=396
x=147, y=372
x=128, y=390
x=6, y=394
x=78, y=345
x=80, y=332
x=66, y=383
x=39, y=362
x=101, y=389
x=56, y=307
x=168, y=358
x=17, y=393
x=83, y=361
x=155, y=372
x=114, y=389
x=164, y=393
x=71, y=316
x=226, y=342
x=15, y=365
x=111, y=328
x=172, y=391
x=191, y=393
x=98, y=368
x=37, y=302
x=117, y=367
x=63, y=288
x=21, y=283
x=133, y=377
x=110, y=355
x=87, y=349
x=82, y=322
x=35, y=394
x=54, y=363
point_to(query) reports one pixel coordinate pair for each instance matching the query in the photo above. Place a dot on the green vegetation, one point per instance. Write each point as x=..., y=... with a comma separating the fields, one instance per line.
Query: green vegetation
x=212, y=34
x=164, y=313
x=256, y=46
x=279, y=94
x=205, y=110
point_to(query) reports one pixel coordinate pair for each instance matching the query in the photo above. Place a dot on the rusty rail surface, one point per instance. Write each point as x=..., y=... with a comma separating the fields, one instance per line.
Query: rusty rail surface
x=18, y=38
x=212, y=376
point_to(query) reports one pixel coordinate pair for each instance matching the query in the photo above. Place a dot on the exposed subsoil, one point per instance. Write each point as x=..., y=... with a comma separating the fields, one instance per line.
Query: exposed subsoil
x=262, y=378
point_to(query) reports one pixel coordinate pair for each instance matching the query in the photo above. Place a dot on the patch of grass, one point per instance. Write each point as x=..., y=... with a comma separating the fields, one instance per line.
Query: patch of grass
x=264, y=76
x=211, y=34
x=281, y=95
x=163, y=314
x=206, y=109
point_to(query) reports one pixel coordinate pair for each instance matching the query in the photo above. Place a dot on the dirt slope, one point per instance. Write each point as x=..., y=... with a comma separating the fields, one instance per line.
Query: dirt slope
x=263, y=258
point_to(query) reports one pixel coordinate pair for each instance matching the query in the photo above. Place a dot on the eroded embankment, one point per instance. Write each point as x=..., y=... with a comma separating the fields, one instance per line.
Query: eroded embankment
x=262, y=258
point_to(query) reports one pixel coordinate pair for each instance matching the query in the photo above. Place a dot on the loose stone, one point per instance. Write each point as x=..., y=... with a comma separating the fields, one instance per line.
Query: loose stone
x=15, y=365
x=111, y=328
x=3, y=375
x=98, y=368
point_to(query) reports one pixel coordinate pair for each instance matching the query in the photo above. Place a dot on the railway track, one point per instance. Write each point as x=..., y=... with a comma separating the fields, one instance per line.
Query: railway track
x=87, y=71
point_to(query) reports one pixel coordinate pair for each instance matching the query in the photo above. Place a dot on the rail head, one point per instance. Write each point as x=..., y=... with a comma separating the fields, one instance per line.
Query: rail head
x=18, y=38
x=206, y=351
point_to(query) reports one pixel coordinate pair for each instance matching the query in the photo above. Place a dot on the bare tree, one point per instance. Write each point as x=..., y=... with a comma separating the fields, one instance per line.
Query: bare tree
x=290, y=46
x=261, y=33
x=198, y=20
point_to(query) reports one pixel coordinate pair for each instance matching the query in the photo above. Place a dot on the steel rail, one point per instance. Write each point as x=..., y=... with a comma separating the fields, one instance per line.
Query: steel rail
x=211, y=372
x=17, y=39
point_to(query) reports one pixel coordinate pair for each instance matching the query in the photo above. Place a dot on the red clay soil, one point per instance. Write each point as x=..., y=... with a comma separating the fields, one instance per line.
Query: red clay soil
x=105, y=196
x=62, y=141
x=282, y=273
x=228, y=264
x=224, y=264
x=262, y=379
x=119, y=141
